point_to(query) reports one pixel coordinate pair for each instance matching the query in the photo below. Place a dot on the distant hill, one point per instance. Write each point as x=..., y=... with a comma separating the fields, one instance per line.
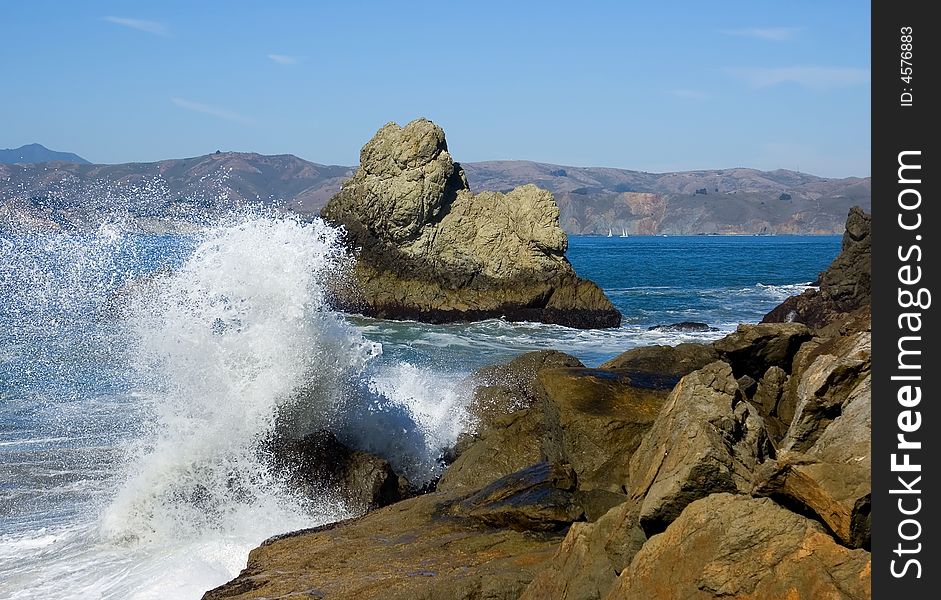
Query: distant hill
x=37, y=153
x=164, y=195
x=173, y=194
x=596, y=200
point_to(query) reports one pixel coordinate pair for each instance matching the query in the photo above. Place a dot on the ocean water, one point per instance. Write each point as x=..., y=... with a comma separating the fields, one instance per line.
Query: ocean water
x=141, y=375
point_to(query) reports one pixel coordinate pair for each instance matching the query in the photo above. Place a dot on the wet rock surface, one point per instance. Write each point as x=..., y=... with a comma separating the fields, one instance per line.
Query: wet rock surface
x=319, y=464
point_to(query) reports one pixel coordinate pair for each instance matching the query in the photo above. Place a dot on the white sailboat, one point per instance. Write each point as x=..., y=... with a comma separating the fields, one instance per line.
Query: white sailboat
x=609, y=232
x=624, y=232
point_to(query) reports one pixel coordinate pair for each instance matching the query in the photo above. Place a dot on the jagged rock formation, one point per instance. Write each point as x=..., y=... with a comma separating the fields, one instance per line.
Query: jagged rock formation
x=845, y=287
x=430, y=250
x=726, y=546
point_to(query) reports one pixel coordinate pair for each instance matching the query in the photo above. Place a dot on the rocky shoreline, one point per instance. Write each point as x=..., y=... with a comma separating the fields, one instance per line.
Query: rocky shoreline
x=736, y=469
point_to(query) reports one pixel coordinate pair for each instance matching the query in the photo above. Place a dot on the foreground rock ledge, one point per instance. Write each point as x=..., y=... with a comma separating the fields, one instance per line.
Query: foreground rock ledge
x=406, y=551
x=430, y=250
x=726, y=546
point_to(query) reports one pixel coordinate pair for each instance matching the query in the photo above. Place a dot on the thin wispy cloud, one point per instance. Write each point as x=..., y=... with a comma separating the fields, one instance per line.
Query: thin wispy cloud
x=770, y=34
x=816, y=78
x=139, y=24
x=284, y=59
x=689, y=94
x=214, y=111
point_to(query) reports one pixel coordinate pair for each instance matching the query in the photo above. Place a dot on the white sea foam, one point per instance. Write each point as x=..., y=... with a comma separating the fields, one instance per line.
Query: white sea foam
x=226, y=341
x=233, y=346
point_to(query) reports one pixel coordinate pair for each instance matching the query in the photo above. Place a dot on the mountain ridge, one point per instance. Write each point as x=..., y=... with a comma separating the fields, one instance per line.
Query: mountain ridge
x=37, y=153
x=592, y=200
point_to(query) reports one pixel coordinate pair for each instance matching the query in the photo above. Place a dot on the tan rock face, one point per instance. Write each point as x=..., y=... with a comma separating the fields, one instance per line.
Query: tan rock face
x=706, y=439
x=726, y=546
x=824, y=463
x=836, y=369
x=595, y=419
x=590, y=558
x=406, y=177
x=429, y=249
x=407, y=551
x=498, y=235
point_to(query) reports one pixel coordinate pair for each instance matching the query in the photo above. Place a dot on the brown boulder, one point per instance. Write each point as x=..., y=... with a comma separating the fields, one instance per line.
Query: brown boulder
x=706, y=439
x=661, y=366
x=512, y=443
x=538, y=498
x=508, y=428
x=505, y=388
x=726, y=546
x=767, y=399
x=590, y=558
x=595, y=419
x=320, y=464
x=753, y=349
x=836, y=368
x=833, y=478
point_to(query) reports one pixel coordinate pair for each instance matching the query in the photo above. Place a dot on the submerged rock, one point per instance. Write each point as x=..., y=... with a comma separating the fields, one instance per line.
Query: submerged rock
x=430, y=250
x=684, y=327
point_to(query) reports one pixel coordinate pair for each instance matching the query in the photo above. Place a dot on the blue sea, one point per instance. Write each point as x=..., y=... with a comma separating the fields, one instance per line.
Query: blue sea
x=139, y=375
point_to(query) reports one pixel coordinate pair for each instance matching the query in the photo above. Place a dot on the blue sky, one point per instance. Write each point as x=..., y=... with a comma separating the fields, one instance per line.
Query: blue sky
x=655, y=86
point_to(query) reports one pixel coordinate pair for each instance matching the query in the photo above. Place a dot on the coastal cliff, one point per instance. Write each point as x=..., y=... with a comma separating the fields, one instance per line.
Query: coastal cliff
x=428, y=249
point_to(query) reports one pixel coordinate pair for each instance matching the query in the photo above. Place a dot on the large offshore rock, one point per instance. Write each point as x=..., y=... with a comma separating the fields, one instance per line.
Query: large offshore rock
x=728, y=546
x=706, y=439
x=407, y=551
x=430, y=250
x=846, y=285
